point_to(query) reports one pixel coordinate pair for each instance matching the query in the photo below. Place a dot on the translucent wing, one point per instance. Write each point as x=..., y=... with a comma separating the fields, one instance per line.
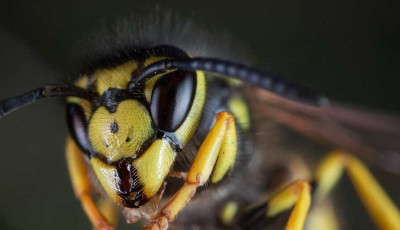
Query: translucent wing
x=373, y=136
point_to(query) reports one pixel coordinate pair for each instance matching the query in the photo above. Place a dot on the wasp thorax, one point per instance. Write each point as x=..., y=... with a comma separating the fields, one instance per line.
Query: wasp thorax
x=122, y=133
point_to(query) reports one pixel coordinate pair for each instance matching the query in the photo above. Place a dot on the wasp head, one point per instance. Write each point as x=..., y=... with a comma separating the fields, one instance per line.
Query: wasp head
x=132, y=132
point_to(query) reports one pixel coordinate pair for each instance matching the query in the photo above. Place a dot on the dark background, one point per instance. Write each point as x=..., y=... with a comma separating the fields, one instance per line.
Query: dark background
x=348, y=50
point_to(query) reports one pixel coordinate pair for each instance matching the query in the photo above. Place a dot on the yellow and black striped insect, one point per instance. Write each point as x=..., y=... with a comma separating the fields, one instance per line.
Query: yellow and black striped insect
x=160, y=130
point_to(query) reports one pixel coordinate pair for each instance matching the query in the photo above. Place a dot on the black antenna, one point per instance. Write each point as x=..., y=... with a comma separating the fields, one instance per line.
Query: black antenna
x=56, y=90
x=268, y=81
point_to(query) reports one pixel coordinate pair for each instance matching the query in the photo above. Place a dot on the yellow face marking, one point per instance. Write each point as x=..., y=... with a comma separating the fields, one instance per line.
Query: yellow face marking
x=82, y=82
x=153, y=166
x=120, y=134
x=85, y=104
x=107, y=176
x=117, y=77
x=189, y=126
x=241, y=112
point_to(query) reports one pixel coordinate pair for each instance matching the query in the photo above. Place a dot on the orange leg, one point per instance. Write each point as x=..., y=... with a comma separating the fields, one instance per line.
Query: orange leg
x=297, y=194
x=81, y=185
x=382, y=210
x=200, y=170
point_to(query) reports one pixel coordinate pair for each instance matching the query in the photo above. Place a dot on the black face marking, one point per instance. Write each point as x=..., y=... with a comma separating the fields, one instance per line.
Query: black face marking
x=129, y=188
x=105, y=143
x=172, y=99
x=176, y=144
x=112, y=97
x=128, y=139
x=114, y=127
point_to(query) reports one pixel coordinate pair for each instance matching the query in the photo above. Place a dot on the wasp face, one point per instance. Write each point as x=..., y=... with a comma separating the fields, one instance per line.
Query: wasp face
x=129, y=163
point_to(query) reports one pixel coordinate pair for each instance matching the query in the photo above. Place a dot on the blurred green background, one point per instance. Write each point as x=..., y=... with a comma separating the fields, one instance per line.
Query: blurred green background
x=348, y=50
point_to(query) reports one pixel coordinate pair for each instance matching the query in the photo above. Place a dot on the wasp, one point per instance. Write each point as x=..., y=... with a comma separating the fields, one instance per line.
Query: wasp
x=172, y=138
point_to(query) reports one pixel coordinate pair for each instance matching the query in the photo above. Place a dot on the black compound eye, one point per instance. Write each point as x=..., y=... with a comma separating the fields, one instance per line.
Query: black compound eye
x=172, y=99
x=77, y=125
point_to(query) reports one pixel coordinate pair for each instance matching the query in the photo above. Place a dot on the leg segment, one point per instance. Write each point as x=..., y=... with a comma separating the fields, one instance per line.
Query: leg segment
x=297, y=194
x=109, y=210
x=200, y=170
x=81, y=185
x=271, y=213
x=379, y=206
x=322, y=216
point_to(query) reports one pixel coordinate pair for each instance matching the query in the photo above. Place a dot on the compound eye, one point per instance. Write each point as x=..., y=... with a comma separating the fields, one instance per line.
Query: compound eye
x=77, y=125
x=172, y=99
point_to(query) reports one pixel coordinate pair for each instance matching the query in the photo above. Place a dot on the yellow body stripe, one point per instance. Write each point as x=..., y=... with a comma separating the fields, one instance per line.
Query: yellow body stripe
x=133, y=124
x=234, y=82
x=153, y=166
x=228, y=212
x=189, y=126
x=117, y=77
x=241, y=112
